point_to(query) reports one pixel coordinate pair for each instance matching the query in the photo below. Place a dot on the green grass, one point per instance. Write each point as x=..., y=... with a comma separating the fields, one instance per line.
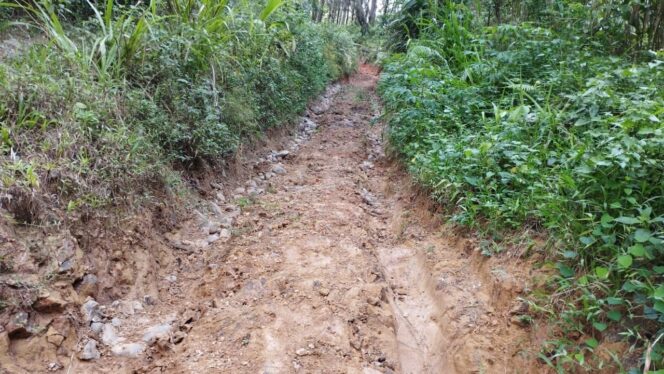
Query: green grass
x=120, y=97
x=520, y=127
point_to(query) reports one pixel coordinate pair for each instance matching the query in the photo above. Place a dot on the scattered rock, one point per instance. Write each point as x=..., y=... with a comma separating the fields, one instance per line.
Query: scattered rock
x=156, y=332
x=225, y=234
x=149, y=300
x=366, y=166
x=54, y=366
x=239, y=191
x=116, y=322
x=96, y=327
x=132, y=350
x=90, y=311
x=303, y=352
x=216, y=185
x=66, y=265
x=17, y=328
x=54, y=337
x=212, y=238
x=279, y=169
x=89, y=351
x=216, y=209
x=171, y=278
x=108, y=335
x=50, y=302
x=520, y=307
x=88, y=286
x=282, y=154
x=324, y=291
x=220, y=197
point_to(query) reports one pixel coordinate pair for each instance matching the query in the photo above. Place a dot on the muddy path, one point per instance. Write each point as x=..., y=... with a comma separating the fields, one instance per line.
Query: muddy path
x=328, y=261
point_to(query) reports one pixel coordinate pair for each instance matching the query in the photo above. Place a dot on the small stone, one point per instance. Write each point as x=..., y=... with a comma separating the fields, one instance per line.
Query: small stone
x=216, y=209
x=50, y=302
x=239, y=191
x=90, y=311
x=89, y=351
x=279, y=169
x=128, y=349
x=212, y=238
x=282, y=154
x=108, y=335
x=324, y=291
x=126, y=308
x=220, y=197
x=225, y=234
x=302, y=352
x=138, y=306
x=171, y=278
x=96, y=327
x=66, y=265
x=251, y=184
x=216, y=185
x=88, y=286
x=156, y=332
x=116, y=322
x=149, y=300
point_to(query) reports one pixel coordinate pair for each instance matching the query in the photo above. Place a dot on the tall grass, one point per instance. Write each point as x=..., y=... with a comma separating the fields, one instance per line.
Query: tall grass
x=133, y=91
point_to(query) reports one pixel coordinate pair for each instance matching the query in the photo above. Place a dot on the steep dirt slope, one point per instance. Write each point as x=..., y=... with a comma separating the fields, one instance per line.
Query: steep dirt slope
x=327, y=261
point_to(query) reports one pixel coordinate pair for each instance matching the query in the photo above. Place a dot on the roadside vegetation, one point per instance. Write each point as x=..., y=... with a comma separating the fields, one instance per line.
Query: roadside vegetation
x=547, y=117
x=120, y=94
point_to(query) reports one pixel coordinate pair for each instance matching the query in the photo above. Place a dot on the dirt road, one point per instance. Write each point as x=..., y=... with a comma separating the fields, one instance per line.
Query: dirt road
x=333, y=263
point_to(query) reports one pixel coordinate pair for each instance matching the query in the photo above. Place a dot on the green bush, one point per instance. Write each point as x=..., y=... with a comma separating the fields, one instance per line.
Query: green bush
x=517, y=126
x=124, y=92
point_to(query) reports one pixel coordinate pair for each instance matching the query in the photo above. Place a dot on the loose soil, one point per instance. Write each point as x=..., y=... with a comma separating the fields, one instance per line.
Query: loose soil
x=341, y=265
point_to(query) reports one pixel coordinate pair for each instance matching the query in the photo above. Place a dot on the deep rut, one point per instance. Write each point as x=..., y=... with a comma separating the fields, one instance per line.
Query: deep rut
x=333, y=270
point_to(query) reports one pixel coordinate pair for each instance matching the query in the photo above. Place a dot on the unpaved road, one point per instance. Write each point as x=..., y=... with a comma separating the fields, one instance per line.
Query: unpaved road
x=338, y=267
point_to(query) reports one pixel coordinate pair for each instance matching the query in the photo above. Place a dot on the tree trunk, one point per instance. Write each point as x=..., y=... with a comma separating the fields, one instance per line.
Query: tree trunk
x=361, y=17
x=372, y=12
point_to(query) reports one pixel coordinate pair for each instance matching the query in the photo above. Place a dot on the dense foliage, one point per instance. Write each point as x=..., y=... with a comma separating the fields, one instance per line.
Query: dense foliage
x=518, y=125
x=120, y=93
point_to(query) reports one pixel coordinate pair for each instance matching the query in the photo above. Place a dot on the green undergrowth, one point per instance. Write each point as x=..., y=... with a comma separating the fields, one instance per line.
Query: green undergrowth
x=118, y=95
x=519, y=126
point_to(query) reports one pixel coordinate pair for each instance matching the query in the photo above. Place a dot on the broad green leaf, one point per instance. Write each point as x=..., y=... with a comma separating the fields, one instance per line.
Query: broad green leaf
x=642, y=235
x=659, y=293
x=637, y=250
x=614, y=315
x=599, y=326
x=659, y=306
x=627, y=220
x=602, y=272
x=592, y=343
x=624, y=261
x=565, y=270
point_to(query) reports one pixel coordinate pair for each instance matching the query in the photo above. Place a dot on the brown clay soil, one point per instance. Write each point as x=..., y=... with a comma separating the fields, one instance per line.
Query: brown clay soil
x=340, y=266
